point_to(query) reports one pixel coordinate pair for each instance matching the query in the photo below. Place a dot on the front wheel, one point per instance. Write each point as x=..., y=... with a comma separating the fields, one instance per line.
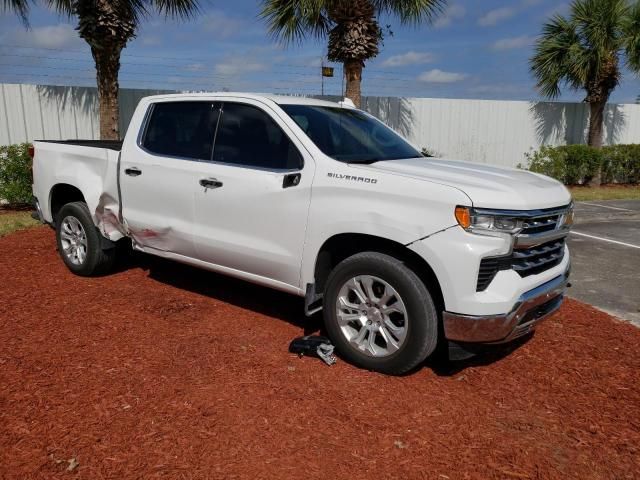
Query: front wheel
x=79, y=242
x=379, y=314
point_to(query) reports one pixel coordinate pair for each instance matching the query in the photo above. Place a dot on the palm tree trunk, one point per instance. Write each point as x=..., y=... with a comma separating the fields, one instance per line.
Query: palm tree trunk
x=353, y=76
x=596, y=123
x=107, y=68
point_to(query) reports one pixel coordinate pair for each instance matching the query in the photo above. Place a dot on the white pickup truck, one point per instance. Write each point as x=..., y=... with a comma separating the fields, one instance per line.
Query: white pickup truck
x=323, y=201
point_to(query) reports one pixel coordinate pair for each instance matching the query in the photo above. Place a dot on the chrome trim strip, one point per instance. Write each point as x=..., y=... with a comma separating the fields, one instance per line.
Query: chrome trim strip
x=534, y=239
x=505, y=327
x=543, y=212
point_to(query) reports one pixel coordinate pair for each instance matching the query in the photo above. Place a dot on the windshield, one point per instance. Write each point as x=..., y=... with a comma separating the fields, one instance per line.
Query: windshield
x=349, y=135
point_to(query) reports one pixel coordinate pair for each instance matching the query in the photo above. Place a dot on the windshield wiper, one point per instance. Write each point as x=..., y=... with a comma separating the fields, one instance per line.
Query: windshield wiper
x=366, y=162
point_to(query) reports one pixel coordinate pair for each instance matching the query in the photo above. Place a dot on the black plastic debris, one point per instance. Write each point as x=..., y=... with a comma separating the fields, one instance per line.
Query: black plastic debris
x=314, y=346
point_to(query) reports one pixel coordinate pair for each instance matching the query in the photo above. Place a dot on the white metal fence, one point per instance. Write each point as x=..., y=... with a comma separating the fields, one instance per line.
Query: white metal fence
x=486, y=131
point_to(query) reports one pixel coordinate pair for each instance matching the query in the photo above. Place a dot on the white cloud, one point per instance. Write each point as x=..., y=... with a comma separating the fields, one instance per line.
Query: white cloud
x=409, y=58
x=239, y=65
x=61, y=36
x=497, y=15
x=513, y=43
x=451, y=13
x=195, y=67
x=493, y=17
x=220, y=25
x=150, y=40
x=438, y=76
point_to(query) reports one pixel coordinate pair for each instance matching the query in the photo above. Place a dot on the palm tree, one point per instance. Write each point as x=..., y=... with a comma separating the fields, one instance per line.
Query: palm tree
x=107, y=26
x=585, y=51
x=350, y=25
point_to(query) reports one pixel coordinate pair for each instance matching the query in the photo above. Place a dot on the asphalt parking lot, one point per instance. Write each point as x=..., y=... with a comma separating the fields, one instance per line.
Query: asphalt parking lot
x=605, y=254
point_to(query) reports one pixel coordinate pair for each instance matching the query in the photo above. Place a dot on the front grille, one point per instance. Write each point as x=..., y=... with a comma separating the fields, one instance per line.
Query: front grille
x=539, y=224
x=526, y=261
x=534, y=260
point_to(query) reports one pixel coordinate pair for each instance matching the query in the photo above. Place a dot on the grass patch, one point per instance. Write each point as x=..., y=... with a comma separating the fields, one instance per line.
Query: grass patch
x=13, y=221
x=607, y=192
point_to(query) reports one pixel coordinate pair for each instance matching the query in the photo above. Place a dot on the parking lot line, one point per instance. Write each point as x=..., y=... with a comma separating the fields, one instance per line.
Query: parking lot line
x=606, y=206
x=605, y=239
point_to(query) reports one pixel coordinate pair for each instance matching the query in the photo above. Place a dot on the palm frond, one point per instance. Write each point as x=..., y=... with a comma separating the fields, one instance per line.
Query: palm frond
x=183, y=9
x=558, y=57
x=631, y=36
x=20, y=7
x=63, y=7
x=292, y=21
x=599, y=25
x=411, y=11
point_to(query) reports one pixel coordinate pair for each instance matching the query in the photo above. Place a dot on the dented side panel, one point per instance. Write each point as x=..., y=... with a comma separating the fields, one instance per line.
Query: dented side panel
x=357, y=199
x=91, y=170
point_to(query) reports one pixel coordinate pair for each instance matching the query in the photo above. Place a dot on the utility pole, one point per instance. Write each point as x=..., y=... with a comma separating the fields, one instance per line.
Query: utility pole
x=322, y=75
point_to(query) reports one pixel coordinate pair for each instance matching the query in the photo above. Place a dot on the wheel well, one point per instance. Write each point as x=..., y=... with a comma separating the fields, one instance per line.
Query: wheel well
x=61, y=194
x=342, y=246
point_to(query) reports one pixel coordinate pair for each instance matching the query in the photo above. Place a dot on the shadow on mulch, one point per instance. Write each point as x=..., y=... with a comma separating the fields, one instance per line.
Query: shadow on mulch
x=240, y=293
x=476, y=356
x=289, y=308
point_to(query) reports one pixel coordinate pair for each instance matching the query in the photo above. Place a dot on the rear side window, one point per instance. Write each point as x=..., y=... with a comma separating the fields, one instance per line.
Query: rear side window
x=182, y=129
x=248, y=136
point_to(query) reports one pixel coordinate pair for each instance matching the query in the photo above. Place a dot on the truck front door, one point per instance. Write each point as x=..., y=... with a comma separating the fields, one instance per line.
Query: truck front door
x=253, y=198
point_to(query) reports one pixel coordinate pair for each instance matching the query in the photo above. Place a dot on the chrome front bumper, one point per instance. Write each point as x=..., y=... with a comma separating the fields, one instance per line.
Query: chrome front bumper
x=531, y=308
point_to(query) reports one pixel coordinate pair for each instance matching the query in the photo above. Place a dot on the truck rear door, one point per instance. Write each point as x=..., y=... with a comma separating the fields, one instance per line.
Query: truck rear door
x=159, y=174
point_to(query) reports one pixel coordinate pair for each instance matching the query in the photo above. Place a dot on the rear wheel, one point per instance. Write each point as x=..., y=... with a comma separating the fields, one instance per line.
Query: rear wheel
x=379, y=314
x=80, y=243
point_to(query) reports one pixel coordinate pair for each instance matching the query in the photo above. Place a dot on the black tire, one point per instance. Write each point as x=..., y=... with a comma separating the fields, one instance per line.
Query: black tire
x=422, y=319
x=98, y=260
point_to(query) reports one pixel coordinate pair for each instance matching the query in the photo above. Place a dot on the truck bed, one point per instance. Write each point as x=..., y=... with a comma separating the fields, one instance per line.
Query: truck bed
x=109, y=144
x=89, y=167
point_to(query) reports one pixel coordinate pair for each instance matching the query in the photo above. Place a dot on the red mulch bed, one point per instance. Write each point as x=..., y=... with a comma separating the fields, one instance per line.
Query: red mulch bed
x=161, y=370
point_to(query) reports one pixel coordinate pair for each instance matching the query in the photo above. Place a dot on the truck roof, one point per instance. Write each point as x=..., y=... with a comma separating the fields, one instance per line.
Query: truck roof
x=279, y=99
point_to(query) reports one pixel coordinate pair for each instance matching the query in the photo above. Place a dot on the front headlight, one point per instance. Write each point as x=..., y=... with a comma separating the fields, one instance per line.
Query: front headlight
x=487, y=224
x=566, y=219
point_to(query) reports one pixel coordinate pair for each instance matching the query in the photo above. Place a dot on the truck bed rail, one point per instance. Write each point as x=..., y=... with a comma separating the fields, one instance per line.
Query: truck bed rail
x=110, y=144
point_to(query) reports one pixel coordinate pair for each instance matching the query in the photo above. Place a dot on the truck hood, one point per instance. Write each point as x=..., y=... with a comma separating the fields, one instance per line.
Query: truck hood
x=487, y=186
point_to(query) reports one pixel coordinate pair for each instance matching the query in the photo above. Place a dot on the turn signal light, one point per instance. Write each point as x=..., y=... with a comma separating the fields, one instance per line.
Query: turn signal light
x=463, y=216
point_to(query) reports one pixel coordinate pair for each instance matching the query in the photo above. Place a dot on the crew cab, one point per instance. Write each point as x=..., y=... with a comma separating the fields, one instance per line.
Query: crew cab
x=324, y=201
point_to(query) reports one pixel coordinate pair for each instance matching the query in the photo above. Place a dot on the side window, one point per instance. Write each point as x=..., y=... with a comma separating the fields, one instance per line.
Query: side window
x=248, y=136
x=182, y=129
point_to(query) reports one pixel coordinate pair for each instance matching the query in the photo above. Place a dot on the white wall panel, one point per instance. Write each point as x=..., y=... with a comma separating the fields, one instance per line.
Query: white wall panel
x=486, y=131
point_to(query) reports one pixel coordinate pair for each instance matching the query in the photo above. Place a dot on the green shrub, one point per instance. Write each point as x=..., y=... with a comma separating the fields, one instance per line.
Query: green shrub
x=621, y=164
x=15, y=174
x=578, y=164
x=571, y=164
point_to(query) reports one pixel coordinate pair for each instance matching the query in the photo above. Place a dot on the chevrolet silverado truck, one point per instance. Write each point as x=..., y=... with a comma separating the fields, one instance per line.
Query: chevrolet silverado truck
x=324, y=201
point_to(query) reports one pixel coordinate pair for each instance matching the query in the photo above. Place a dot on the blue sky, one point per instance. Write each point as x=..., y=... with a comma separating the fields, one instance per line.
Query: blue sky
x=476, y=49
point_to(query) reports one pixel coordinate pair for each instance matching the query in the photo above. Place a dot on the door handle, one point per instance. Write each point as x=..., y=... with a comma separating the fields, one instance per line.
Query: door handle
x=210, y=183
x=133, y=171
x=291, y=180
